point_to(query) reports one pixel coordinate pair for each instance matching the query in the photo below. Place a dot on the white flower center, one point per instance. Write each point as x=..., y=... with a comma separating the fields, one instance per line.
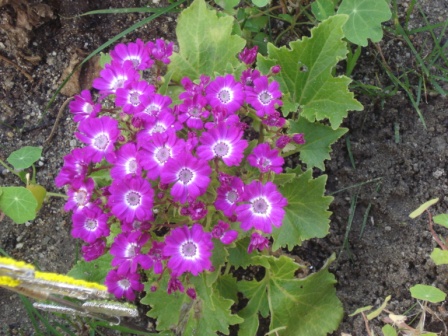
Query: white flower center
x=265, y=97
x=225, y=95
x=81, y=197
x=101, y=141
x=162, y=154
x=91, y=224
x=185, y=175
x=130, y=250
x=221, y=149
x=260, y=206
x=134, y=98
x=133, y=199
x=124, y=284
x=232, y=196
x=131, y=166
x=189, y=250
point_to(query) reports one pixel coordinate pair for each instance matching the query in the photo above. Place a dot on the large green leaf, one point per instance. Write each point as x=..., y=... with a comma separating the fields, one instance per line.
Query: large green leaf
x=427, y=293
x=307, y=81
x=322, y=9
x=95, y=270
x=206, y=45
x=306, y=306
x=365, y=18
x=177, y=312
x=18, y=203
x=318, y=139
x=307, y=214
x=24, y=157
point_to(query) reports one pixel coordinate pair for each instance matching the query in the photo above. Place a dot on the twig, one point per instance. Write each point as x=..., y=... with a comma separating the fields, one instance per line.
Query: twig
x=26, y=74
x=434, y=234
x=58, y=117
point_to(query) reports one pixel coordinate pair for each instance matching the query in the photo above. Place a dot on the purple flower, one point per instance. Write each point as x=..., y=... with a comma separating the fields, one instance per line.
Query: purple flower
x=225, y=92
x=131, y=96
x=136, y=52
x=83, y=107
x=75, y=167
x=158, y=150
x=154, y=106
x=264, y=96
x=190, y=176
x=262, y=208
x=248, y=77
x=123, y=285
x=131, y=198
x=79, y=194
x=282, y=141
x=221, y=231
x=299, y=138
x=126, y=250
x=228, y=194
x=174, y=284
x=274, y=120
x=191, y=292
x=257, y=241
x=223, y=142
x=94, y=250
x=189, y=250
x=266, y=159
x=115, y=76
x=135, y=226
x=196, y=210
x=89, y=224
x=248, y=55
x=156, y=254
x=126, y=161
x=100, y=135
x=192, y=89
x=193, y=111
x=161, y=50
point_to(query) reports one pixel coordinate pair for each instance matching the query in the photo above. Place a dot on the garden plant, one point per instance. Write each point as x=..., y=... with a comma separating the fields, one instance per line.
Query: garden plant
x=182, y=180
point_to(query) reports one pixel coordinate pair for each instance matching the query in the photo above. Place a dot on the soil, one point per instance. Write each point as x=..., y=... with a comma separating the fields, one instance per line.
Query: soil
x=399, y=163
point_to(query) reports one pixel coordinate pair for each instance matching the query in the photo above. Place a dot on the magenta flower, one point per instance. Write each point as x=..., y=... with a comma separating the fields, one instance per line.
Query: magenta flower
x=174, y=285
x=100, y=135
x=248, y=77
x=165, y=122
x=225, y=92
x=161, y=50
x=282, y=141
x=274, y=120
x=131, y=198
x=75, y=167
x=135, y=226
x=191, y=292
x=221, y=231
x=264, y=96
x=79, y=194
x=223, y=142
x=190, y=176
x=154, y=106
x=156, y=254
x=266, y=159
x=189, y=250
x=89, y=224
x=136, y=52
x=299, y=138
x=126, y=161
x=196, y=210
x=257, y=241
x=158, y=150
x=262, y=208
x=131, y=97
x=115, y=76
x=83, y=106
x=193, y=111
x=228, y=195
x=123, y=285
x=126, y=250
x=94, y=250
x=248, y=55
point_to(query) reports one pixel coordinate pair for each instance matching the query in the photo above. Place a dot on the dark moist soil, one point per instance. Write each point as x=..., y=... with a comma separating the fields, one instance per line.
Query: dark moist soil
x=399, y=164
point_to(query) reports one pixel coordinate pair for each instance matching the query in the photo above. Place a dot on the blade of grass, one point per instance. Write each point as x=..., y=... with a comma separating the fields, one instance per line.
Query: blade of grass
x=124, y=11
x=367, y=212
x=345, y=245
x=112, y=40
x=349, y=150
x=356, y=185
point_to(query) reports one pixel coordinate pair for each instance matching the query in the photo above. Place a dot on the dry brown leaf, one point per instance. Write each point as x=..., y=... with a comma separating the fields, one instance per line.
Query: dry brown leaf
x=72, y=87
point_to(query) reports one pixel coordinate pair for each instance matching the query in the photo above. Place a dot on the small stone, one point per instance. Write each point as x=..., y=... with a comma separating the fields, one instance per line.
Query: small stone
x=19, y=246
x=387, y=228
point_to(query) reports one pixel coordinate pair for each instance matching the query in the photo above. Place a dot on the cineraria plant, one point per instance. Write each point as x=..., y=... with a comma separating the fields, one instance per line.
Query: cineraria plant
x=182, y=179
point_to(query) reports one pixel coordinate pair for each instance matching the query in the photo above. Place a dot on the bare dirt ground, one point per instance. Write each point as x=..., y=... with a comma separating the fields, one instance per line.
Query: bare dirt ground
x=40, y=40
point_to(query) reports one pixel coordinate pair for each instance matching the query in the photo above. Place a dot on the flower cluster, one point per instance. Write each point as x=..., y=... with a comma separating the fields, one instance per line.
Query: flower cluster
x=146, y=159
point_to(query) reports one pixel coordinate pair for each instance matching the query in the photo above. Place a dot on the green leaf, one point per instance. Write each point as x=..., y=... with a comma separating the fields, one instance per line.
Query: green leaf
x=24, y=157
x=388, y=330
x=307, y=81
x=227, y=287
x=322, y=9
x=260, y=3
x=95, y=270
x=238, y=255
x=422, y=208
x=101, y=177
x=307, y=306
x=441, y=220
x=440, y=257
x=365, y=18
x=39, y=194
x=206, y=45
x=281, y=179
x=227, y=5
x=427, y=293
x=307, y=214
x=18, y=203
x=204, y=316
x=319, y=139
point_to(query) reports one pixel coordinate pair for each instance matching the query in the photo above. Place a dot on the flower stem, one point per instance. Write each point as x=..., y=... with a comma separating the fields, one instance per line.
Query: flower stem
x=52, y=194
